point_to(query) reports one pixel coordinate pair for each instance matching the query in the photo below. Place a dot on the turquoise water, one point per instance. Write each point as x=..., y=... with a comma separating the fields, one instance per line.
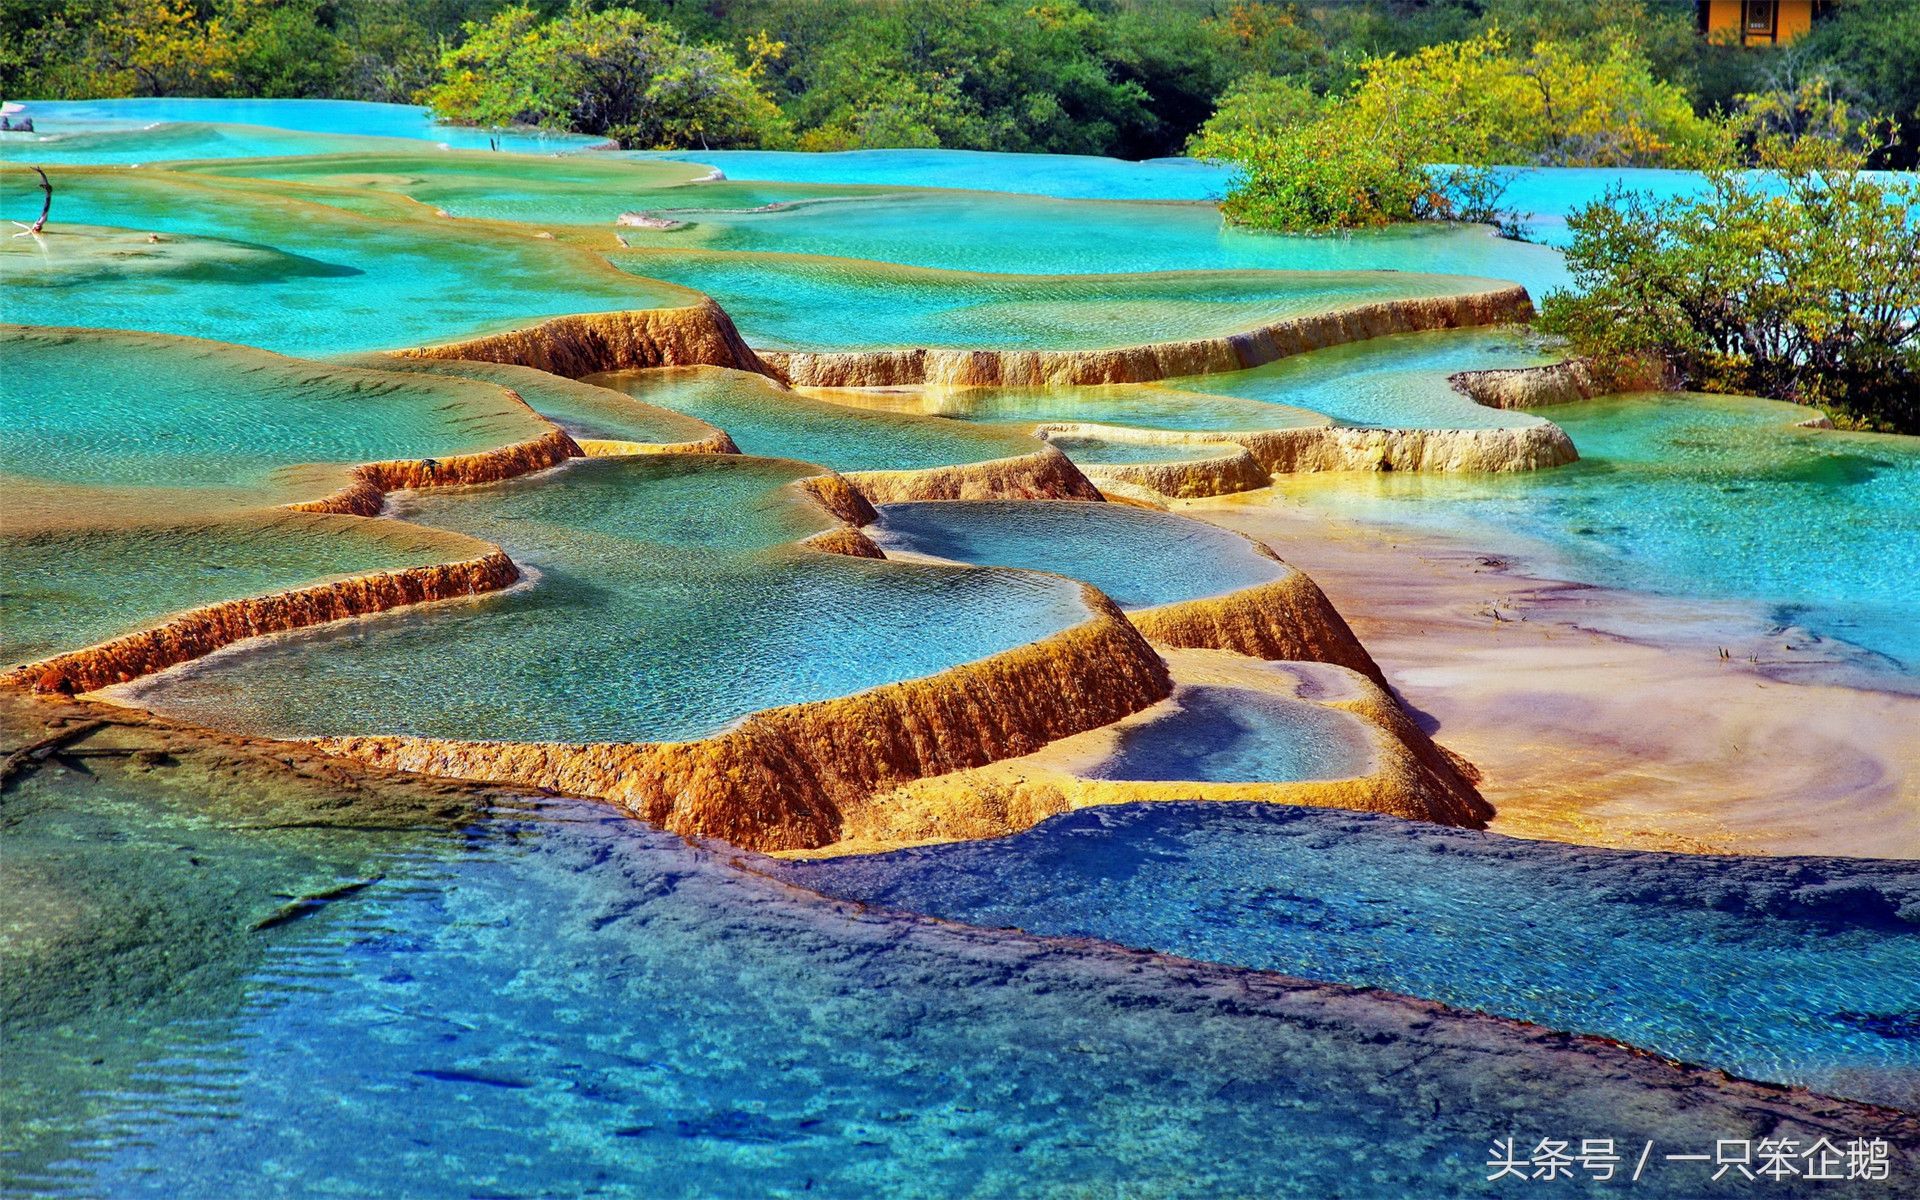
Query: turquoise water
x=65, y=588
x=817, y=304
x=314, y=280
x=1136, y=556
x=1398, y=382
x=1037, y=236
x=764, y=418
x=1141, y=405
x=149, y=129
x=667, y=604
x=1715, y=497
x=1239, y=735
x=1097, y=451
x=578, y=189
x=1817, y=957
x=583, y=410
x=1065, y=176
x=130, y=410
x=553, y=1000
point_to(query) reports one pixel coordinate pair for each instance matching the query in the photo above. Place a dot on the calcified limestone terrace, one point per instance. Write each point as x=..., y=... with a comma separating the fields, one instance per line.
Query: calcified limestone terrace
x=636, y=557
x=188, y=470
x=713, y=643
x=350, y=270
x=1334, y=322
x=1392, y=767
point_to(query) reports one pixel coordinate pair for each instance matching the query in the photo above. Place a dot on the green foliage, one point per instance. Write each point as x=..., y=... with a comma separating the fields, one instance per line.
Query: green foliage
x=613, y=72
x=1252, y=105
x=958, y=73
x=1135, y=78
x=1363, y=158
x=1803, y=284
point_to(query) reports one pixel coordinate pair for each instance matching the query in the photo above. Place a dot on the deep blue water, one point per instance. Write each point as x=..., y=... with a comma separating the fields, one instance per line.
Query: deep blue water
x=570, y=1004
x=1819, y=958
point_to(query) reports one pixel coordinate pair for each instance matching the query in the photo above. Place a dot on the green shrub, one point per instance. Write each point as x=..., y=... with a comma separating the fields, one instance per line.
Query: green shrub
x=612, y=72
x=1801, y=284
x=1368, y=157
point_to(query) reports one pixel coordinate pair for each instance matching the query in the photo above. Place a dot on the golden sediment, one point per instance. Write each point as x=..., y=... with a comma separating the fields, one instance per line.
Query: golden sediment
x=1045, y=474
x=1286, y=620
x=1157, y=360
x=798, y=776
x=838, y=496
x=1333, y=448
x=201, y=631
x=587, y=343
x=365, y=496
x=1411, y=777
x=1219, y=466
x=719, y=443
x=845, y=540
x=1561, y=383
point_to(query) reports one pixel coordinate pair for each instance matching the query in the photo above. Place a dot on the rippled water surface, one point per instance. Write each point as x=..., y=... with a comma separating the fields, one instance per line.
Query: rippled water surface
x=1719, y=497
x=1817, y=957
x=765, y=418
x=1136, y=556
x=119, y=410
x=1240, y=735
x=1399, y=382
x=267, y=270
x=805, y=303
x=553, y=1000
x=666, y=604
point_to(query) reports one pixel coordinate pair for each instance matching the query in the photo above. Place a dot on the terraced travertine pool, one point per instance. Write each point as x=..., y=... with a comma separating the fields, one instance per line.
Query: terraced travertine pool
x=669, y=603
x=226, y=962
x=764, y=418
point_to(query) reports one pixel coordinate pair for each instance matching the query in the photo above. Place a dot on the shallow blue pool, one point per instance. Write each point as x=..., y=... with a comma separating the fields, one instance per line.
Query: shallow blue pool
x=1136, y=556
x=1239, y=735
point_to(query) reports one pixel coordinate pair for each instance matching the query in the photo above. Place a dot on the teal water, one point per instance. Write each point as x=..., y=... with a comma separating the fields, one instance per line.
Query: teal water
x=1063, y=176
x=819, y=304
x=1398, y=382
x=583, y=410
x=130, y=410
x=1817, y=957
x=764, y=418
x=1099, y=451
x=1688, y=495
x=64, y=588
x=1239, y=735
x=667, y=604
x=578, y=189
x=553, y=1000
x=1034, y=235
x=1140, y=405
x=149, y=129
x=314, y=279
x=1136, y=556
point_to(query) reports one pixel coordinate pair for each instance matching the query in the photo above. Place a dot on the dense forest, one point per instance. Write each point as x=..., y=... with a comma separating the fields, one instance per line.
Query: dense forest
x=1132, y=78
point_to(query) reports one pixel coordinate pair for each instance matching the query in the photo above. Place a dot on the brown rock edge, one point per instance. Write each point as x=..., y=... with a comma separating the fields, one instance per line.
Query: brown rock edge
x=792, y=777
x=201, y=631
x=587, y=343
x=1157, y=360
